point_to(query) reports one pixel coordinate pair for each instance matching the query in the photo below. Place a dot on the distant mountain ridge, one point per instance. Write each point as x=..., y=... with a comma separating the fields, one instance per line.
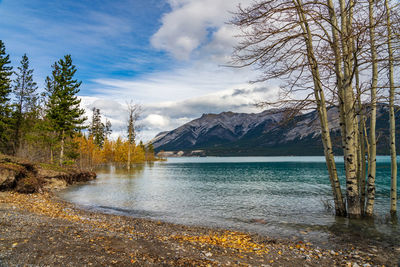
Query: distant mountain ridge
x=267, y=133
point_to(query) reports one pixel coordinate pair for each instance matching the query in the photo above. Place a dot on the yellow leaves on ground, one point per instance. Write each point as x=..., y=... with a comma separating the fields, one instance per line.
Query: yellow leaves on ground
x=234, y=240
x=44, y=204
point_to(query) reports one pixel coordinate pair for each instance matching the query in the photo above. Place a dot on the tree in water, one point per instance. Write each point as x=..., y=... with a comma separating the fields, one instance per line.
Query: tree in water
x=392, y=119
x=133, y=116
x=63, y=106
x=320, y=49
x=150, y=151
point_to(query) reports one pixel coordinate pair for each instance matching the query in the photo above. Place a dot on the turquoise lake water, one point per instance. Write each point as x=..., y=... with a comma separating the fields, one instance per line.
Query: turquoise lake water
x=275, y=196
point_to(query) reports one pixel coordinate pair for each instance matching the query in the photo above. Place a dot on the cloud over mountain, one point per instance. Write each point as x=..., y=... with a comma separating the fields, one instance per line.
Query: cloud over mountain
x=168, y=115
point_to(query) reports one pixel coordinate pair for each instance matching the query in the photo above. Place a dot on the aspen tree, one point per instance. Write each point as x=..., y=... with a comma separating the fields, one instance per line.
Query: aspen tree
x=369, y=209
x=393, y=155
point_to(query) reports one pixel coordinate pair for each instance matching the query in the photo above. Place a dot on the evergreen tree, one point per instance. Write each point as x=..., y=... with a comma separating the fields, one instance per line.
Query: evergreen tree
x=25, y=98
x=133, y=115
x=149, y=152
x=97, y=128
x=63, y=110
x=150, y=148
x=5, y=89
x=142, y=145
x=108, y=129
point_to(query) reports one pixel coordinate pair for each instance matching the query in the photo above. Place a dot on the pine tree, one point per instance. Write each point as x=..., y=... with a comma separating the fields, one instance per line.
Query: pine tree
x=149, y=152
x=25, y=98
x=150, y=148
x=63, y=108
x=97, y=128
x=108, y=129
x=5, y=89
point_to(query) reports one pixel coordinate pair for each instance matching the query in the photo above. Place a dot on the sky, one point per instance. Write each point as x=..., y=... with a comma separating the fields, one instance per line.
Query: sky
x=169, y=56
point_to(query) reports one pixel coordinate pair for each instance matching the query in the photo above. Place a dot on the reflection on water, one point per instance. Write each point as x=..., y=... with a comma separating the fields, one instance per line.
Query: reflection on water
x=277, y=196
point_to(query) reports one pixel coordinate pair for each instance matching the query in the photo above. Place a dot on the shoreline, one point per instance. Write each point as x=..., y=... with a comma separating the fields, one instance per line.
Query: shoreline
x=42, y=229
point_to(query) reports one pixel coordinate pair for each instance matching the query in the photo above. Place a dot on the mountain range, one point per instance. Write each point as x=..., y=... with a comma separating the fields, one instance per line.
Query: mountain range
x=269, y=133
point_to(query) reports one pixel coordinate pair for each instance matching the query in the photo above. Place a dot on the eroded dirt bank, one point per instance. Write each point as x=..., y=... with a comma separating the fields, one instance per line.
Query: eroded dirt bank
x=26, y=177
x=42, y=230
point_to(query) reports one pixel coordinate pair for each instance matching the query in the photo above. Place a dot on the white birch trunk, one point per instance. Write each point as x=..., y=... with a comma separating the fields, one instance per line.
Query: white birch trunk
x=393, y=187
x=369, y=209
x=350, y=145
x=322, y=112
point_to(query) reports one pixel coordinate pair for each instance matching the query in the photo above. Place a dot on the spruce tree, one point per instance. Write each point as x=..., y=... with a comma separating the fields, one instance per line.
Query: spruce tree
x=25, y=98
x=97, y=128
x=5, y=89
x=63, y=106
x=133, y=115
x=108, y=129
x=150, y=148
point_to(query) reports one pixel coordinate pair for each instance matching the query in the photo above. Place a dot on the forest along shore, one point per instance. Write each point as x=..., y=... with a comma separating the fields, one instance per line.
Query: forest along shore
x=41, y=229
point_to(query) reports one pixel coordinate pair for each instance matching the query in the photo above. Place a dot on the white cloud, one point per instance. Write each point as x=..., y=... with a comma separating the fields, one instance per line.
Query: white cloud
x=164, y=116
x=191, y=22
x=156, y=121
x=192, y=80
x=196, y=32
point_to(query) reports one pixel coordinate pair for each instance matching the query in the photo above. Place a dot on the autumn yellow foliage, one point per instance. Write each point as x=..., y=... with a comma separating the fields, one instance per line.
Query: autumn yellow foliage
x=112, y=151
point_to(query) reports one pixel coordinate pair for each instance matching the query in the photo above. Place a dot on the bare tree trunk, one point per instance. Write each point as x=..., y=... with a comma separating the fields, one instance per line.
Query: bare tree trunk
x=361, y=161
x=62, y=148
x=369, y=210
x=338, y=68
x=361, y=138
x=353, y=65
x=80, y=157
x=133, y=115
x=350, y=146
x=18, y=124
x=129, y=156
x=393, y=187
x=322, y=112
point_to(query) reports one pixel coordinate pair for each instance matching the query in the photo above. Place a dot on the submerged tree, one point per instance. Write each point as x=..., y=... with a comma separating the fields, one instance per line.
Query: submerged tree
x=133, y=116
x=372, y=130
x=393, y=155
x=5, y=90
x=63, y=106
x=320, y=49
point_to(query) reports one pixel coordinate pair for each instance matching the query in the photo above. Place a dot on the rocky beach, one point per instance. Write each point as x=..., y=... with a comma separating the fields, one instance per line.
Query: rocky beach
x=42, y=230
x=38, y=228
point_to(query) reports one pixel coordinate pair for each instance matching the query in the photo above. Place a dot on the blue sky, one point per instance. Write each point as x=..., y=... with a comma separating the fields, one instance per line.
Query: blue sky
x=107, y=39
x=166, y=55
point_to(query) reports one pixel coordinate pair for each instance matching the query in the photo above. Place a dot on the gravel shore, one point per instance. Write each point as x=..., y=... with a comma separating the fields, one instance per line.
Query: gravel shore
x=42, y=230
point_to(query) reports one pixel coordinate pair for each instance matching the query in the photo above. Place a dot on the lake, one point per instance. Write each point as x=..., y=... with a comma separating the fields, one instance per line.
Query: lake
x=285, y=197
